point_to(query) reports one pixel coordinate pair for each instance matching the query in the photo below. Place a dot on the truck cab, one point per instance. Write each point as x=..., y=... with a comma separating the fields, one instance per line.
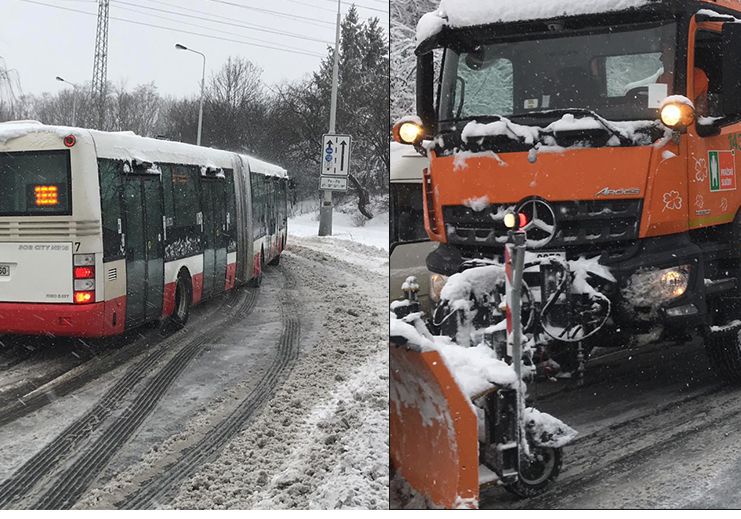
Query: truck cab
x=613, y=128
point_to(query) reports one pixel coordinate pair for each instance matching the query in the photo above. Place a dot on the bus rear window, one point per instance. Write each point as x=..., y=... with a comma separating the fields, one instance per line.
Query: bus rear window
x=35, y=183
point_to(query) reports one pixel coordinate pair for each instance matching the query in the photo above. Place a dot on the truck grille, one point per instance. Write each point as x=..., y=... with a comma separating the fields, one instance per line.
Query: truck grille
x=578, y=224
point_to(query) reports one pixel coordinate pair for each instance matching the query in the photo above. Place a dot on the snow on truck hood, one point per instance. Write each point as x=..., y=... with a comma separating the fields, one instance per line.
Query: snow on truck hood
x=466, y=13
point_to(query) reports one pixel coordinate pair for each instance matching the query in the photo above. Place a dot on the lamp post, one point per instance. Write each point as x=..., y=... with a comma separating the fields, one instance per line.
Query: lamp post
x=325, y=210
x=74, y=99
x=203, y=82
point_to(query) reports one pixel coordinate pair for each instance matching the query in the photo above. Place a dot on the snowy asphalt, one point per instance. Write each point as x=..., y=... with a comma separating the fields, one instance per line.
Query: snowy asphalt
x=657, y=430
x=264, y=400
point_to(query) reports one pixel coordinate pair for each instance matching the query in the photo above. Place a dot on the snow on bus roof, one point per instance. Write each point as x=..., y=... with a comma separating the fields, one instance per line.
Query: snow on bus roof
x=127, y=145
x=10, y=130
x=265, y=168
x=466, y=13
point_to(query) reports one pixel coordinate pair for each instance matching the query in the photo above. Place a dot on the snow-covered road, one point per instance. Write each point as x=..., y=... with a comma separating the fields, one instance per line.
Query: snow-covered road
x=657, y=430
x=275, y=397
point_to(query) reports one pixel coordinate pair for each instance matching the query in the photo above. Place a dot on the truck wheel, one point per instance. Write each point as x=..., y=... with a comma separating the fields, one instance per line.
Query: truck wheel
x=537, y=472
x=723, y=347
x=183, y=297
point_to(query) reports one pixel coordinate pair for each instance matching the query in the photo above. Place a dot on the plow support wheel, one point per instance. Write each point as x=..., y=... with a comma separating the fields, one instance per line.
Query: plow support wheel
x=434, y=433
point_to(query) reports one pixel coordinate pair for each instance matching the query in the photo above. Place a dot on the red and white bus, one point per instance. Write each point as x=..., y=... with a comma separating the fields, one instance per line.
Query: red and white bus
x=101, y=232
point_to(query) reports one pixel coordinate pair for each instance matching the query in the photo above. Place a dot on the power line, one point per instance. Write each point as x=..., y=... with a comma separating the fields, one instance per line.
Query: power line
x=232, y=23
x=250, y=38
x=361, y=6
x=182, y=31
x=275, y=13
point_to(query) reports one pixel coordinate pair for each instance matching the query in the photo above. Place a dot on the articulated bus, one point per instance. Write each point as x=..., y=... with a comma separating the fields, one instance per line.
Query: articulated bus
x=101, y=232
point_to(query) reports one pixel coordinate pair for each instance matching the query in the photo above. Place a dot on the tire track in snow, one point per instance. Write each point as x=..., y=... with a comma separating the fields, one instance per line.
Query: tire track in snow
x=46, y=461
x=205, y=450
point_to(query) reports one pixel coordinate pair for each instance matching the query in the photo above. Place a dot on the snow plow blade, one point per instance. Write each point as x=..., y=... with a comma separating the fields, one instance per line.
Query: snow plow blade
x=434, y=432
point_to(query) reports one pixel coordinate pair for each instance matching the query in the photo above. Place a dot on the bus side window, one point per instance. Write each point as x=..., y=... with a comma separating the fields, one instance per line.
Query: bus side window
x=167, y=193
x=110, y=202
x=231, y=211
x=259, y=193
x=184, y=231
x=186, y=202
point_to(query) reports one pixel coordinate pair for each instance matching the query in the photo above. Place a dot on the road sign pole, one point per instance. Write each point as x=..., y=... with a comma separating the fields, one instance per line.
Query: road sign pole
x=325, y=211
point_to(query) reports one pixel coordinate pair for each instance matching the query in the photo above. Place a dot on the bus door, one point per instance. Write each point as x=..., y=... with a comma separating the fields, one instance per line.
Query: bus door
x=144, y=248
x=213, y=202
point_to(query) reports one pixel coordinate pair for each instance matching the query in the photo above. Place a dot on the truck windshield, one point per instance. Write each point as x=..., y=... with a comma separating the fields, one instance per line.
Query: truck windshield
x=35, y=183
x=608, y=72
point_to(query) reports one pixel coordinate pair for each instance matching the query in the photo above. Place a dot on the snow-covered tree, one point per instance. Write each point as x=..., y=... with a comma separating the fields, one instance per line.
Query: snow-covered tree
x=404, y=17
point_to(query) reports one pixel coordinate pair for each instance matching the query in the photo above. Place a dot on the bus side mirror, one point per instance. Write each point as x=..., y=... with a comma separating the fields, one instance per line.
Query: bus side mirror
x=731, y=98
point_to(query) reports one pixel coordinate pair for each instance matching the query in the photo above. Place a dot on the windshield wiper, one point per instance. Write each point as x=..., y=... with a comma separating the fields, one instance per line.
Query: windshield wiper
x=578, y=111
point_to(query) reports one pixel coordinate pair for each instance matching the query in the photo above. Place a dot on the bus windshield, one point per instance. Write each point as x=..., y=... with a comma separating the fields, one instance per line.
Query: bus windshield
x=608, y=72
x=35, y=183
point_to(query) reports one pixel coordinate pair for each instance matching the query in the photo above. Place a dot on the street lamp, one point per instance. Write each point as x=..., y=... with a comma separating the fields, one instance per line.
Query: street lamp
x=74, y=99
x=203, y=81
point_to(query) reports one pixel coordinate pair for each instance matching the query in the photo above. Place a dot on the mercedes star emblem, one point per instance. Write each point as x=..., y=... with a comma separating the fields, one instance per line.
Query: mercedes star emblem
x=541, y=222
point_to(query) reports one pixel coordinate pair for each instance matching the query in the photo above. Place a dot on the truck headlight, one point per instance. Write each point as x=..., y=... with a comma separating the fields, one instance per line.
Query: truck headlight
x=437, y=282
x=653, y=287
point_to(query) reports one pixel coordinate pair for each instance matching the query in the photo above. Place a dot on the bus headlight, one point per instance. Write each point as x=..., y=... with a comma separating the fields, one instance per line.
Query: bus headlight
x=437, y=282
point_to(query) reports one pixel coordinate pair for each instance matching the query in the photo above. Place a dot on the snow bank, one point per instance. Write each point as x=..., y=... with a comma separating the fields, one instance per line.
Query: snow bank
x=375, y=232
x=465, y=13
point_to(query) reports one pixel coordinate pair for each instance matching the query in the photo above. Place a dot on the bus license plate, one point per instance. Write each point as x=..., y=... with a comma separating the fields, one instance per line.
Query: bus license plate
x=4, y=270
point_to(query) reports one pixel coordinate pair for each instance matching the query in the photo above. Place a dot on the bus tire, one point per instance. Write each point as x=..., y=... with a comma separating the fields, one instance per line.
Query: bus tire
x=723, y=348
x=275, y=261
x=183, y=298
x=257, y=280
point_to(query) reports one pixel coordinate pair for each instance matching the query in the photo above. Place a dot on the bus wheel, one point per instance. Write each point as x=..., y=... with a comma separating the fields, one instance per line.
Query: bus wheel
x=183, y=297
x=275, y=261
x=257, y=280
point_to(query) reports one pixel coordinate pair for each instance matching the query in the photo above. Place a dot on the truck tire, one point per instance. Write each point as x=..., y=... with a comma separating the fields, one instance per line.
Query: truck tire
x=537, y=475
x=723, y=347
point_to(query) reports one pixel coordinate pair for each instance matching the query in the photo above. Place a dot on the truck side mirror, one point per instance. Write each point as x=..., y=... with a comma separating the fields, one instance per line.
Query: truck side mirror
x=731, y=98
x=426, y=89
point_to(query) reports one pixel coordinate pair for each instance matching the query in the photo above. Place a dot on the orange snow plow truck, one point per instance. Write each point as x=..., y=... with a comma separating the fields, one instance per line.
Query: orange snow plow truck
x=614, y=128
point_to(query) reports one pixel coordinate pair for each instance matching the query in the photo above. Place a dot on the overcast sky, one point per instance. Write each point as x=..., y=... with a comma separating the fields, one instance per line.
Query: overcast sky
x=45, y=41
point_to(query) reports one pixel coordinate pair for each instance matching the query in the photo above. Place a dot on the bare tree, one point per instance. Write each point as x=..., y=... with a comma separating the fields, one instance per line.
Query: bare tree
x=234, y=106
x=10, y=92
